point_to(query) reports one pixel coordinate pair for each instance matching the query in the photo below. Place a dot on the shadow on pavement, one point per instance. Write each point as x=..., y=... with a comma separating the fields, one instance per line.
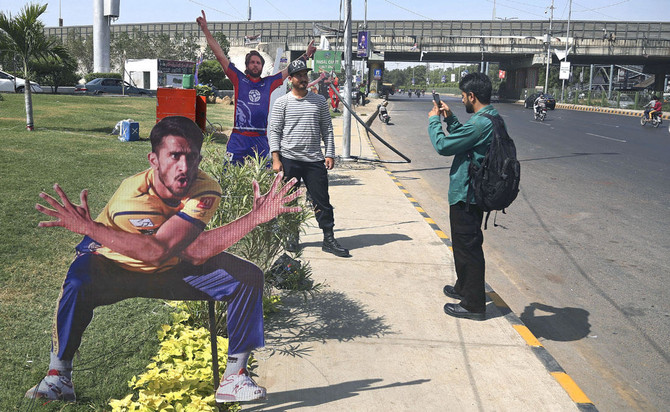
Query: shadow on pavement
x=312, y=397
x=560, y=324
x=363, y=241
x=570, y=155
x=328, y=316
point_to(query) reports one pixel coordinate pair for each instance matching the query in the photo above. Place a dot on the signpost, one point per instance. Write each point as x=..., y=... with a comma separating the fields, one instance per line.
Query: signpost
x=328, y=60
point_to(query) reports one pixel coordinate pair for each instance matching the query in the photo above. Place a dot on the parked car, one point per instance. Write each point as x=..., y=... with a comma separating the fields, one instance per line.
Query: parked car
x=111, y=86
x=9, y=83
x=528, y=103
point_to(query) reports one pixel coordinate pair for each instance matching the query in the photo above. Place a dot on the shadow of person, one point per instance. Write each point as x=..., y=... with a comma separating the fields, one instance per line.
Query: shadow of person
x=366, y=240
x=563, y=325
x=330, y=315
x=312, y=397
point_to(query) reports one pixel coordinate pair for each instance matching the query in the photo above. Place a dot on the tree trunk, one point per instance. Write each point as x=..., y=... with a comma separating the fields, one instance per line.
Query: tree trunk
x=27, y=93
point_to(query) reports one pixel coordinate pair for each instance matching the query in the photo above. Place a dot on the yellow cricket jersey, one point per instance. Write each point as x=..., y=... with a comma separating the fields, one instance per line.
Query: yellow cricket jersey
x=136, y=208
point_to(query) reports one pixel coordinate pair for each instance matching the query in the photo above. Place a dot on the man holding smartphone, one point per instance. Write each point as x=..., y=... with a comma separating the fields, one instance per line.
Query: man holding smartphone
x=467, y=142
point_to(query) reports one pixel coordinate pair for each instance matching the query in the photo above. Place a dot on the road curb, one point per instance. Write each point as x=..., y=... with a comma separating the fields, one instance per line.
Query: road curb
x=552, y=366
x=609, y=110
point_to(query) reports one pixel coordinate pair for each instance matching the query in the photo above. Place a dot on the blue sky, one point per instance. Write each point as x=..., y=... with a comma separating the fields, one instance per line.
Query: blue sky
x=80, y=12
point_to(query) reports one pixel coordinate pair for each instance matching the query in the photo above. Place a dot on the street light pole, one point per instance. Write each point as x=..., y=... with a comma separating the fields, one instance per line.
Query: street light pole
x=346, y=132
x=567, y=42
x=551, y=20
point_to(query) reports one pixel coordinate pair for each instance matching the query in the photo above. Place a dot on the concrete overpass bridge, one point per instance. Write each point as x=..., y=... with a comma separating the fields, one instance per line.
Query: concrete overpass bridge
x=519, y=46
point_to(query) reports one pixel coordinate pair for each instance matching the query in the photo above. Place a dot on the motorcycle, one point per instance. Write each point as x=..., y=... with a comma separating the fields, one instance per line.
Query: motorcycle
x=540, y=113
x=656, y=119
x=384, y=114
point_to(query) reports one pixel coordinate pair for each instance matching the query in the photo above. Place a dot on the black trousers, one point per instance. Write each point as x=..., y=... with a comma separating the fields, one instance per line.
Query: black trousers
x=315, y=177
x=467, y=239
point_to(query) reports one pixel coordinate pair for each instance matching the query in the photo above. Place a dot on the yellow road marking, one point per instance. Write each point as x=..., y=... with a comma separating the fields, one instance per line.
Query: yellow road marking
x=527, y=335
x=575, y=393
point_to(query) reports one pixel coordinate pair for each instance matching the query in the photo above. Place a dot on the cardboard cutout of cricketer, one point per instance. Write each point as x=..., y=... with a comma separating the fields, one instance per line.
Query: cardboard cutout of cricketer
x=149, y=241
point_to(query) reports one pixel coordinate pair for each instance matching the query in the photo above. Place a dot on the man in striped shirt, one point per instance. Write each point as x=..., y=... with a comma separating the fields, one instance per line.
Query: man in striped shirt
x=300, y=120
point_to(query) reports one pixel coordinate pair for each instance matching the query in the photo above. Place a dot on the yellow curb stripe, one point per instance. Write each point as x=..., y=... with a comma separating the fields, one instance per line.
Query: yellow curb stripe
x=497, y=300
x=527, y=335
x=411, y=199
x=429, y=220
x=419, y=209
x=575, y=393
x=404, y=190
x=441, y=234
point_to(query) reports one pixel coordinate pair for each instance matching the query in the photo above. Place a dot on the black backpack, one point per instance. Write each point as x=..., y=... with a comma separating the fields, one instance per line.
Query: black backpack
x=495, y=184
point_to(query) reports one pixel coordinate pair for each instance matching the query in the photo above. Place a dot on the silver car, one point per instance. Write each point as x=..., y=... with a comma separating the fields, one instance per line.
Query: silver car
x=12, y=84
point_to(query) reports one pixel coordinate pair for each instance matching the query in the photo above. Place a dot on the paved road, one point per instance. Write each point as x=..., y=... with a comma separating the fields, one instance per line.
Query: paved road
x=583, y=252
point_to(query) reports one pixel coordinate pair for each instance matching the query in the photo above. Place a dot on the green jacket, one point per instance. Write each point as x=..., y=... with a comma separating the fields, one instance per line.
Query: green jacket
x=472, y=137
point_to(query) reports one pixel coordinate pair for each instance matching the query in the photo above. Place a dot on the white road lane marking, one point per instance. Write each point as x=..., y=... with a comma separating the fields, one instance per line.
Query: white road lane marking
x=605, y=137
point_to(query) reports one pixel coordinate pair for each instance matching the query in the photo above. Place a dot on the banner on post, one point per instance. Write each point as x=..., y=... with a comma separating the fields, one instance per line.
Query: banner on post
x=362, y=44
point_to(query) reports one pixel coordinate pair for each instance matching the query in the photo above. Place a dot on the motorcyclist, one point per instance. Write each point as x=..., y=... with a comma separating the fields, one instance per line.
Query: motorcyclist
x=654, y=106
x=540, y=103
x=383, y=111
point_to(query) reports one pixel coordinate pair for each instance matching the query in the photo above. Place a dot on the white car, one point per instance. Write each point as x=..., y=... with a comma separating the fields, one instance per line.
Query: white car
x=9, y=83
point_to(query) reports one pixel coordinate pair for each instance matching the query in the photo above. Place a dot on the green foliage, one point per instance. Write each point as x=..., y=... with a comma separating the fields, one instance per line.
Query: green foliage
x=80, y=47
x=223, y=42
x=56, y=72
x=210, y=72
x=92, y=76
x=142, y=45
x=266, y=242
x=202, y=90
x=262, y=245
x=180, y=376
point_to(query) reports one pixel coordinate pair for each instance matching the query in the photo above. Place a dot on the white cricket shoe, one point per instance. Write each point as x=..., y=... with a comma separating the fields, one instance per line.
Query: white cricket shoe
x=239, y=388
x=53, y=387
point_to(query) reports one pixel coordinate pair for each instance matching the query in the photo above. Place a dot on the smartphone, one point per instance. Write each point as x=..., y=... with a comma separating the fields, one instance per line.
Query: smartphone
x=436, y=97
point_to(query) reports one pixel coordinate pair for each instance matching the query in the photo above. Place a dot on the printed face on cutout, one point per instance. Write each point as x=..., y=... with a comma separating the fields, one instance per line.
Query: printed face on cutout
x=175, y=167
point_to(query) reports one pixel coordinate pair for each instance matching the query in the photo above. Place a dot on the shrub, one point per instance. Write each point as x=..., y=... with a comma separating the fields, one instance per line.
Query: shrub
x=92, y=76
x=265, y=243
x=180, y=376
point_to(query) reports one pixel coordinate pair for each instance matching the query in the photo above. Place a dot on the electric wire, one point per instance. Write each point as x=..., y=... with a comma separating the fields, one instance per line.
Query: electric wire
x=216, y=10
x=408, y=10
x=279, y=10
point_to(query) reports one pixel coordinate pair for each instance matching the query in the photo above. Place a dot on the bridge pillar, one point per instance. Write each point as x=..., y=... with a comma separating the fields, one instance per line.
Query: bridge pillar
x=375, y=74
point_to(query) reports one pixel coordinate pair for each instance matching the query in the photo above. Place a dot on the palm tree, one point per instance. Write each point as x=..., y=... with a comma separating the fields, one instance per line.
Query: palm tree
x=23, y=36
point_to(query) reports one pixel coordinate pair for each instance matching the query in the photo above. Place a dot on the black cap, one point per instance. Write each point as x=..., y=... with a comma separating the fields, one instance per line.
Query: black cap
x=297, y=66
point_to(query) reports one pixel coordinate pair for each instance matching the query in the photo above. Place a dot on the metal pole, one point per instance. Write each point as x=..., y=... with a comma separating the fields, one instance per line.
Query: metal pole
x=551, y=19
x=365, y=59
x=567, y=41
x=346, y=133
x=609, y=89
x=100, y=38
x=212, y=337
x=591, y=78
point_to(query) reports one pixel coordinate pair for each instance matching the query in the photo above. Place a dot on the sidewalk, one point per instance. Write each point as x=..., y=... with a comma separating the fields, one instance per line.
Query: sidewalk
x=376, y=338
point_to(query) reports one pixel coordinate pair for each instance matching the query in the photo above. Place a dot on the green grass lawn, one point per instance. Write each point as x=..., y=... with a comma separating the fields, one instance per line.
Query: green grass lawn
x=71, y=145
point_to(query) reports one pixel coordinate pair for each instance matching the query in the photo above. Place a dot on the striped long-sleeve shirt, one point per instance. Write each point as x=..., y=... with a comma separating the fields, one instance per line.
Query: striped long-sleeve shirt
x=299, y=125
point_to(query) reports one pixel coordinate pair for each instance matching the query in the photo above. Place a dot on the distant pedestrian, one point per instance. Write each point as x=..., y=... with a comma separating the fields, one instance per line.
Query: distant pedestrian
x=467, y=143
x=252, y=98
x=300, y=121
x=334, y=100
